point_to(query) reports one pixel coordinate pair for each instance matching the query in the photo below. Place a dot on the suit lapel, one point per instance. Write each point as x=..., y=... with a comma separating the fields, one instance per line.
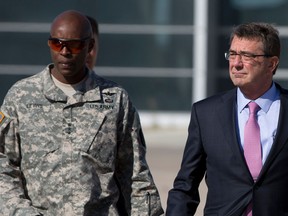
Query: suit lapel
x=281, y=137
x=227, y=118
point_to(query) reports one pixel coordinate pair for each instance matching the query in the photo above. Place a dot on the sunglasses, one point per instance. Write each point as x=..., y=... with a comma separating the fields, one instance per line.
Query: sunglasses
x=74, y=46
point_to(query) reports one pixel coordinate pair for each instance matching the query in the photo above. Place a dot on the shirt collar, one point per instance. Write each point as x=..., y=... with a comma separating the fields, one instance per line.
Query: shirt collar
x=264, y=101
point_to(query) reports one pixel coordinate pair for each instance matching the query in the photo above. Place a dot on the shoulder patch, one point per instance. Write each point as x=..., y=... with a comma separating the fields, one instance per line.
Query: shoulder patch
x=2, y=117
x=4, y=121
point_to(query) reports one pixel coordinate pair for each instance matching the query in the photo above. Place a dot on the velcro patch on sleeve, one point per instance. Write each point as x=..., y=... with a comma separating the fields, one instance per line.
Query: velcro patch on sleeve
x=2, y=117
x=4, y=121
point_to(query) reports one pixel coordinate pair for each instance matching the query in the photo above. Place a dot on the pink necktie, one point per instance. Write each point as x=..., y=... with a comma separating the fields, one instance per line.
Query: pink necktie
x=252, y=145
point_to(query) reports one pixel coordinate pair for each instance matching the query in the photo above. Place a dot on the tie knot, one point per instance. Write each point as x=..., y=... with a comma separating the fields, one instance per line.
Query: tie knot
x=253, y=107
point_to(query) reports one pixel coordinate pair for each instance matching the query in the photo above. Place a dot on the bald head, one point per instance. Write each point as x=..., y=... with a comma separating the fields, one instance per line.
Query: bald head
x=71, y=25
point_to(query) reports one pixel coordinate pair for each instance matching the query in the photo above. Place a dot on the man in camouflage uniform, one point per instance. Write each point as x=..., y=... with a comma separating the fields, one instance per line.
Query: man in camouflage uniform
x=71, y=142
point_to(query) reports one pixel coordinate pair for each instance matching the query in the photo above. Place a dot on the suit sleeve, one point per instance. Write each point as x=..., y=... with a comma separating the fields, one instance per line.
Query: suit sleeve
x=183, y=198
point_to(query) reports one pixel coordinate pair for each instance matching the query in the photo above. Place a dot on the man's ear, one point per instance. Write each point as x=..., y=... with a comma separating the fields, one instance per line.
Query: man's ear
x=91, y=44
x=274, y=61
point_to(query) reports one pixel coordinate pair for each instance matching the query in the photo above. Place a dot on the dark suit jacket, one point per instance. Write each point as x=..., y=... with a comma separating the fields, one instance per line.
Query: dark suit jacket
x=213, y=147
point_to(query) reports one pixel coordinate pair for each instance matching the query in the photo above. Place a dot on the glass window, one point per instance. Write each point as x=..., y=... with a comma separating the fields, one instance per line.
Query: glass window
x=161, y=12
x=158, y=93
x=233, y=12
x=25, y=48
x=145, y=50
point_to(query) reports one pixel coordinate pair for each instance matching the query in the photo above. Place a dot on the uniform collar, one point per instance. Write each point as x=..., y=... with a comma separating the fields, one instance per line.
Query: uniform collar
x=89, y=92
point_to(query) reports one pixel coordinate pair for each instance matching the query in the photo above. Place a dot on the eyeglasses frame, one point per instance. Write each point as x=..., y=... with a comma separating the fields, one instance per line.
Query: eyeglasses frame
x=249, y=55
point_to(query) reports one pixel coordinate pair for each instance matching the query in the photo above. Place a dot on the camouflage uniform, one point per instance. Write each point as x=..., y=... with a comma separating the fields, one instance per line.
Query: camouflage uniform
x=73, y=156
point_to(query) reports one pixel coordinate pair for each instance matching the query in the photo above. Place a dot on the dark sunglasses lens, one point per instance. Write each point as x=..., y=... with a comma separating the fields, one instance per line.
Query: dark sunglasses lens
x=55, y=44
x=75, y=46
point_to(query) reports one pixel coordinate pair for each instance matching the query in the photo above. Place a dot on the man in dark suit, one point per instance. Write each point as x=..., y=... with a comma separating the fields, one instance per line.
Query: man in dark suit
x=239, y=181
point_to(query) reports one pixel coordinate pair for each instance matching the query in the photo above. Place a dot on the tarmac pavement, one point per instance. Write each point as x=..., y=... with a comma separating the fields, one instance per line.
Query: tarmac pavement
x=164, y=154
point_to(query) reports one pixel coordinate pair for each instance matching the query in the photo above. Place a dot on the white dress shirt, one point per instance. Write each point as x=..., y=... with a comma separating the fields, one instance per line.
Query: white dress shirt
x=267, y=116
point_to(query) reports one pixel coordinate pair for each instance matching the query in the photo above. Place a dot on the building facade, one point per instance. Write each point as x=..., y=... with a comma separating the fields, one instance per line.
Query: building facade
x=150, y=47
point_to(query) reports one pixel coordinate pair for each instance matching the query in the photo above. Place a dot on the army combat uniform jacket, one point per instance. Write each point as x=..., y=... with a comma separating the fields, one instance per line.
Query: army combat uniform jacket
x=75, y=155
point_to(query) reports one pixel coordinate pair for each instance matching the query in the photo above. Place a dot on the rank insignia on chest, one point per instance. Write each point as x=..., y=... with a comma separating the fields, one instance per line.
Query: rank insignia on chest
x=109, y=97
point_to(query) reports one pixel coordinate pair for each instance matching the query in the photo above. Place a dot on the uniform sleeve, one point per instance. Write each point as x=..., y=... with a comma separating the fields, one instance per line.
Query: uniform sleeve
x=13, y=200
x=140, y=194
